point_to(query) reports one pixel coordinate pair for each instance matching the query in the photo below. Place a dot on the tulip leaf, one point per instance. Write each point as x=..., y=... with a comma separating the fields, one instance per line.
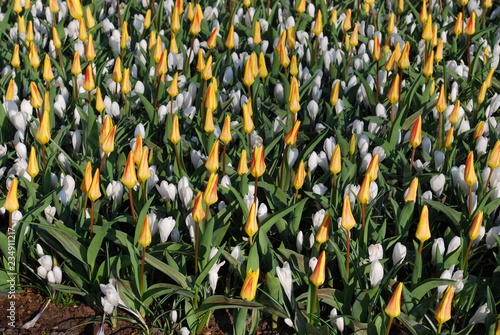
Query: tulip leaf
x=175, y=275
x=222, y=302
x=68, y=244
x=428, y=285
x=95, y=244
x=452, y=214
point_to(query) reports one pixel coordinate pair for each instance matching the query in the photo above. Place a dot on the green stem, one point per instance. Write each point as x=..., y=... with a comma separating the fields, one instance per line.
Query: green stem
x=224, y=160
x=91, y=218
x=439, y=328
x=348, y=254
x=470, y=201
x=466, y=256
x=141, y=278
x=487, y=182
x=412, y=158
x=314, y=303
x=131, y=200
x=440, y=130
x=388, y=330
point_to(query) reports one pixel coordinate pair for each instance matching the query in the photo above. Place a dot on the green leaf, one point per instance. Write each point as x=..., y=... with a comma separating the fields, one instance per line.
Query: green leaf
x=428, y=285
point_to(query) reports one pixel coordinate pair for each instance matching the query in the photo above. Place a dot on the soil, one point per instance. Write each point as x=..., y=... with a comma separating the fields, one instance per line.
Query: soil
x=79, y=319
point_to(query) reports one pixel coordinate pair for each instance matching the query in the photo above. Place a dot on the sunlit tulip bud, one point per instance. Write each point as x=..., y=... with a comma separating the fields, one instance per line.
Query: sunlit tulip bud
x=487, y=4
x=389, y=65
x=138, y=149
x=212, y=39
x=225, y=135
x=354, y=41
x=190, y=11
x=75, y=9
x=448, y=140
x=206, y=74
x=94, y=192
x=453, y=118
x=334, y=96
x=211, y=99
x=294, y=97
x=82, y=31
x=434, y=40
x=377, y=52
x=262, y=66
x=393, y=94
x=300, y=175
x=457, y=28
x=87, y=179
x=89, y=18
x=35, y=97
x=423, y=13
x=15, y=60
x=21, y=26
x=416, y=132
x=251, y=226
x=11, y=203
x=242, y=165
x=439, y=50
x=198, y=212
x=318, y=23
x=404, y=60
x=255, y=64
x=246, y=3
x=393, y=308
x=89, y=82
x=108, y=145
x=212, y=163
x=161, y=66
x=248, y=78
x=176, y=22
x=482, y=93
x=494, y=159
x=390, y=25
x=441, y=104
x=347, y=220
x=76, y=68
x=443, y=311
x=470, y=28
x=372, y=171
x=117, y=75
x=470, y=176
x=230, y=38
x=129, y=177
x=124, y=37
x=30, y=33
x=175, y=135
x=428, y=68
x=317, y=278
x=364, y=191
x=476, y=226
x=249, y=288
x=248, y=125
x=145, y=236
x=489, y=78
x=210, y=194
x=173, y=89
x=143, y=172
x=347, y=21
x=479, y=130
x=157, y=45
x=291, y=137
x=352, y=144
x=427, y=31
x=173, y=44
x=423, y=232
x=209, y=126
x=48, y=74
x=284, y=59
x=90, y=51
x=336, y=161
x=322, y=234
x=43, y=132
x=11, y=90
x=33, y=56
x=196, y=23
x=126, y=87
x=200, y=64
x=107, y=125
x=257, y=38
x=17, y=6
x=258, y=165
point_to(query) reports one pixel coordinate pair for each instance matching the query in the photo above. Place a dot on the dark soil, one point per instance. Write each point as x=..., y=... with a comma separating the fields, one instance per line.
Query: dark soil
x=79, y=319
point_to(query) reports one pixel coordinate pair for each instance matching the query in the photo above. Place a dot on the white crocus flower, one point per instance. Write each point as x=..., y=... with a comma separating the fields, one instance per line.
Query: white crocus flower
x=339, y=321
x=286, y=280
x=185, y=192
x=453, y=245
x=115, y=190
x=376, y=273
x=490, y=239
x=480, y=315
x=300, y=241
x=437, y=184
x=437, y=246
x=167, y=191
x=165, y=226
x=398, y=253
x=312, y=263
x=375, y=252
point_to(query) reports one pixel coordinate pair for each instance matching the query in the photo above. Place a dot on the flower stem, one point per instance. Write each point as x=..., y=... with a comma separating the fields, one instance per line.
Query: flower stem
x=10, y=221
x=131, y=200
x=143, y=187
x=91, y=218
x=141, y=278
x=439, y=328
x=255, y=190
x=388, y=330
x=470, y=201
x=487, y=183
x=44, y=158
x=348, y=254
x=314, y=302
x=224, y=160
x=466, y=256
x=412, y=158
x=440, y=130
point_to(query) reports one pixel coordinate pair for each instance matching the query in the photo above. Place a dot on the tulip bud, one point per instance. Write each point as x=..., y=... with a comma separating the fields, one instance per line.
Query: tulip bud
x=230, y=38
x=108, y=146
x=291, y=137
x=293, y=66
x=262, y=66
x=33, y=56
x=242, y=165
x=258, y=166
x=336, y=161
x=176, y=22
x=173, y=90
x=317, y=278
x=441, y=103
x=364, y=190
x=87, y=179
x=390, y=25
x=404, y=60
x=198, y=212
x=143, y=172
x=470, y=176
x=470, y=28
x=256, y=33
x=89, y=82
x=126, y=88
x=377, y=52
x=248, y=78
x=175, y=135
x=173, y=44
x=476, y=226
x=300, y=175
x=124, y=37
x=393, y=94
x=248, y=125
x=318, y=23
x=145, y=236
x=448, y=141
x=212, y=39
x=210, y=195
x=17, y=7
x=423, y=232
x=55, y=38
x=334, y=97
x=211, y=97
x=48, y=74
x=11, y=203
x=157, y=53
x=35, y=96
x=347, y=21
x=212, y=163
x=209, y=120
x=117, y=71
x=196, y=24
x=301, y=7
x=94, y=192
x=457, y=28
x=82, y=31
x=354, y=41
x=89, y=18
x=427, y=31
x=428, y=68
x=443, y=311
x=294, y=97
x=347, y=221
x=129, y=177
x=11, y=90
x=75, y=9
x=412, y=191
x=225, y=135
x=416, y=132
x=393, y=308
x=76, y=68
x=15, y=60
x=206, y=74
x=107, y=125
x=43, y=132
x=482, y=93
x=249, y=289
x=372, y=171
x=322, y=234
x=251, y=226
x=479, y=130
x=494, y=159
x=453, y=118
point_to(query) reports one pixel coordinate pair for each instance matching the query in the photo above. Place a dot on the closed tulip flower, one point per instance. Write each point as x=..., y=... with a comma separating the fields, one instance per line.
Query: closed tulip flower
x=198, y=212
x=145, y=236
x=393, y=308
x=143, y=172
x=43, y=132
x=443, y=311
x=291, y=137
x=423, y=232
x=318, y=276
x=470, y=176
x=249, y=289
x=129, y=178
x=94, y=192
x=210, y=194
x=258, y=166
x=32, y=168
x=11, y=203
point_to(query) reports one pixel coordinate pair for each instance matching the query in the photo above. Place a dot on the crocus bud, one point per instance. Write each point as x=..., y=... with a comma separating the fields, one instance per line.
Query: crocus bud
x=175, y=135
x=412, y=191
x=129, y=177
x=94, y=192
x=416, y=132
x=470, y=28
x=11, y=203
x=317, y=278
x=443, y=311
x=322, y=234
x=198, y=212
x=210, y=195
x=75, y=9
x=393, y=94
x=251, y=226
x=43, y=132
x=87, y=179
x=300, y=175
x=249, y=289
x=258, y=166
x=212, y=163
x=35, y=97
x=143, y=172
x=242, y=165
x=291, y=137
x=470, y=176
x=393, y=308
x=145, y=236
x=347, y=221
x=423, y=232
x=476, y=226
